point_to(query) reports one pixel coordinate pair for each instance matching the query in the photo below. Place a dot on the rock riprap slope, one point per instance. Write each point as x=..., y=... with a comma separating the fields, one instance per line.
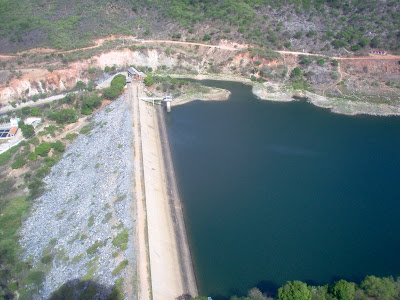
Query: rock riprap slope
x=82, y=226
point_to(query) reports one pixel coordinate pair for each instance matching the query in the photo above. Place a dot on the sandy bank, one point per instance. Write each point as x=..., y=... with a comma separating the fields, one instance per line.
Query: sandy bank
x=171, y=268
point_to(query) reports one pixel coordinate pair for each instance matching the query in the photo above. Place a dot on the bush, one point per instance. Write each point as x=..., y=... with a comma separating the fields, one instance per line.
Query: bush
x=35, y=112
x=375, y=42
x=380, y=288
x=116, y=87
x=295, y=290
x=90, y=103
x=320, y=62
x=58, y=146
x=344, y=290
x=27, y=130
x=296, y=73
x=43, y=149
x=355, y=47
x=80, y=85
x=339, y=44
x=111, y=93
x=19, y=163
x=206, y=37
x=64, y=116
x=148, y=81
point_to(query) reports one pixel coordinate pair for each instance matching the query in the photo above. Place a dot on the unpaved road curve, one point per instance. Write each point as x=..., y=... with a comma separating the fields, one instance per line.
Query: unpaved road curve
x=235, y=47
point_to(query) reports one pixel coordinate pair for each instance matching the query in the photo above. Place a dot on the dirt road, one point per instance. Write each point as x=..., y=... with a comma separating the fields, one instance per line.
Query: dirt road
x=142, y=251
x=225, y=46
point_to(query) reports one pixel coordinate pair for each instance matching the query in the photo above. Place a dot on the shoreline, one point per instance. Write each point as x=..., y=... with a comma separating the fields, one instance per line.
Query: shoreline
x=335, y=105
x=186, y=261
x=170, y=269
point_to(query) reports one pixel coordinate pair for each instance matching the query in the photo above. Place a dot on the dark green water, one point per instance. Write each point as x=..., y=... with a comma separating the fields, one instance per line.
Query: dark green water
x=282, y=191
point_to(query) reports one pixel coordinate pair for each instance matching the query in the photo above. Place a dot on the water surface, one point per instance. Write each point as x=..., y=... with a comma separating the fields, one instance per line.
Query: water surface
x=283, y=191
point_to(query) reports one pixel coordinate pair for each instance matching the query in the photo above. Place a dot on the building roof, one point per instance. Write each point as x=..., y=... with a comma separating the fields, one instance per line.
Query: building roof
x=133, y=71
x=13, y=130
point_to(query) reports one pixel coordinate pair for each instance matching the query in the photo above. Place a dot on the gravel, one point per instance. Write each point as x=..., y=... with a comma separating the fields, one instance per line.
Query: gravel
x=88, y=200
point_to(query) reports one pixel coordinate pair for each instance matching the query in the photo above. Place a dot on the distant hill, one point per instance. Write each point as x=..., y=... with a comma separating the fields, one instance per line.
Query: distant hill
x=313, y=25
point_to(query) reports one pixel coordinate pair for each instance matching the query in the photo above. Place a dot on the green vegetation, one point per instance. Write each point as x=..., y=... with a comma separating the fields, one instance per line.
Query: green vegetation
x=11, y=268
x=19, y=163
x=295, y=290
x=116, y=87
x=385, y=288
x=340, y=23
x=93, y=249
x=120, y=267
x=121, y=240
x=27, y=130
x=89, y=103
x=148, y=81
x=64, y=116
x=43, y=149
x=118, y=290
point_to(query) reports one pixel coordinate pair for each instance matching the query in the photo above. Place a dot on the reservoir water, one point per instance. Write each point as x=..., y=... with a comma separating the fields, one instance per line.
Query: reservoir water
x=285, y=191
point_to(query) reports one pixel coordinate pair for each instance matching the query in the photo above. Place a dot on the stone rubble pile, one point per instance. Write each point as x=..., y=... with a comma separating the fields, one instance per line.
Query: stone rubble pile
x=88, y=199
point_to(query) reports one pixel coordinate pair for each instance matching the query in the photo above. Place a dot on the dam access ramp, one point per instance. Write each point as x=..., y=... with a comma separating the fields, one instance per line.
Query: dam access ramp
x=165, y=271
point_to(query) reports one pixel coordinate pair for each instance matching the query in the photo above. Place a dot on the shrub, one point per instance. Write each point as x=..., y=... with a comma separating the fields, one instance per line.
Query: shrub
x=80, y=85
x=344, y=290
x=375, y=42
x=19, y=163
x=296, y=73
x=355, y=47
x=339, y=44
x=121, y=240
x=27, y=130
x=32, y=156
x=206, y=37
x=35, y=112
x=148, y=81
x=120, y=267
x=90, y=103
x=295, y=290
x=43, y=149
x=320, y=62
x=58, y=146
x=287, y=44
x=380, y=288
x=111, y=93
x=64, y=116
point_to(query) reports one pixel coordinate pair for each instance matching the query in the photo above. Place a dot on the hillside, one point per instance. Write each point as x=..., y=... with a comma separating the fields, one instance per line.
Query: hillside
x=323, y=26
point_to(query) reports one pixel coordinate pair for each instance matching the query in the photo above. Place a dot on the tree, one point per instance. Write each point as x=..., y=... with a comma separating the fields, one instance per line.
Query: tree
x=35, y=112
x=43, y=149
x=363, y=42
x=67, y=115
x=206, y=37
x=296, y=73
x=58, y=146
x=355, y=47
x=111, y=93
x=381, y=288
x=80, y=85
x=19, y=163
x=148, y=81
x=295, y=290
x=344, y=290
x=27, y=130
x=375, y=42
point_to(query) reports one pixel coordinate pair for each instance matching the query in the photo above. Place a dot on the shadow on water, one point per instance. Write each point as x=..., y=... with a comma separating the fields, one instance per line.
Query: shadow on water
x=85, y=290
